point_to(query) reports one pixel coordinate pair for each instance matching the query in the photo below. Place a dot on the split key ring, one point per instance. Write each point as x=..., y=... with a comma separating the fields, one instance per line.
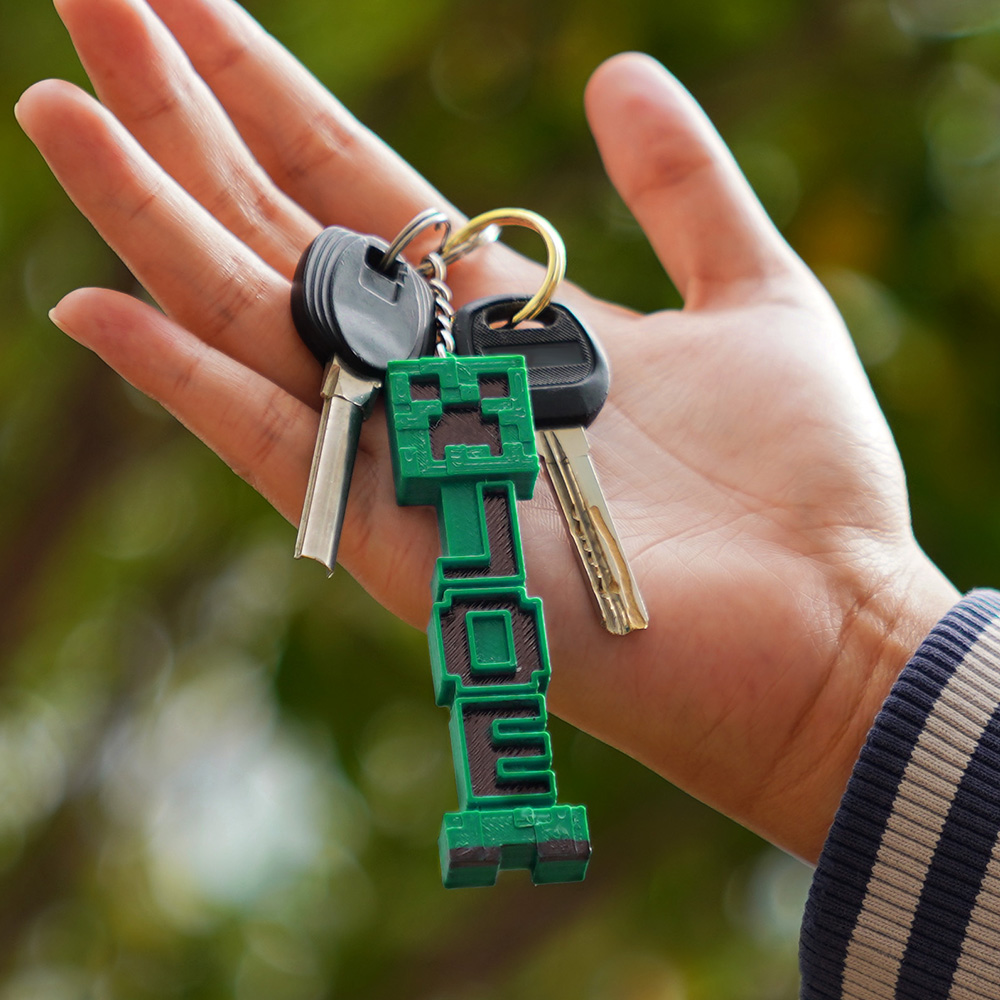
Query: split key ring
x=555, y=249
x=479, y=231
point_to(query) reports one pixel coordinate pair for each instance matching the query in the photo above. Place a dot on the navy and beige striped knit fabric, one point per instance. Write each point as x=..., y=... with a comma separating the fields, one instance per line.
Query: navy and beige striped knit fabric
x=905, y=902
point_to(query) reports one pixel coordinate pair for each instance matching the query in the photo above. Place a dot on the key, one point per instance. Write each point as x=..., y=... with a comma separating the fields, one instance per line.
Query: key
x=355, y=318
x=569, y=379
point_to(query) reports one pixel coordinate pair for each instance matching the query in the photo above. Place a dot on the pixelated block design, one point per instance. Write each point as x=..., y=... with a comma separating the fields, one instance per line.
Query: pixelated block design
x=452, y=643
x=506, y=751
x=462, y=440
x=552, y=843
x=480, y=538
x=448, y=423
x=501, y=556
x=491, y=642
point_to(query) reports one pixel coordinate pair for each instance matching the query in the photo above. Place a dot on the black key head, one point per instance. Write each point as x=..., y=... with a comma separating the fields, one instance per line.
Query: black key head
x=343, y=304
x=568, y=374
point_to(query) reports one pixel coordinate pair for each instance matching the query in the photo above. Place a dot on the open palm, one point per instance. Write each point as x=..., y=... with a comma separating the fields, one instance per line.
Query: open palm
x=753, y=480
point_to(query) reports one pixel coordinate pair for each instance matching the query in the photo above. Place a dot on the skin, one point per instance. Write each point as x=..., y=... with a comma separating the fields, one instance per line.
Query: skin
x=758, y=492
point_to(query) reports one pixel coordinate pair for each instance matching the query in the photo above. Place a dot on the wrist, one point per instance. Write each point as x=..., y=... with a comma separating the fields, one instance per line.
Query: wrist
x=881, y=626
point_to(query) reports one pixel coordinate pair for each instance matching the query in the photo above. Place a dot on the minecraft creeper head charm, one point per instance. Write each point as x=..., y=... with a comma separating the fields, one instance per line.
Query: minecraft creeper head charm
x=462, y=440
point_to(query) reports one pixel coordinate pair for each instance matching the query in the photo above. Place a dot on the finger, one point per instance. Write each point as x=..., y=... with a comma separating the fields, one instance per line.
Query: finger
x=258, y=429
x=204, y=277
x=264, y=434
x=141, y=74
x=680, y=181
x=313, y=148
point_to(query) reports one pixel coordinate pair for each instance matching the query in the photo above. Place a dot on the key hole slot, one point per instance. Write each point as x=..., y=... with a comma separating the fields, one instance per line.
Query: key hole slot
x=499, y=317
x=374, y=259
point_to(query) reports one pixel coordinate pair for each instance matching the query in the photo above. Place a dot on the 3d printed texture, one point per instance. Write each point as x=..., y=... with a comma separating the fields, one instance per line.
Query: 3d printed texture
x=462, y=440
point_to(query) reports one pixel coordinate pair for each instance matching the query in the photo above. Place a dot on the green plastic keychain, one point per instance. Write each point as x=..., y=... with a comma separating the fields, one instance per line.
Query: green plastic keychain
x=462, y=440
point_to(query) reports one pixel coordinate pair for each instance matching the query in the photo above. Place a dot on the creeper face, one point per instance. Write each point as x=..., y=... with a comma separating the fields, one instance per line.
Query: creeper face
x=455, y=420
x=462, y=440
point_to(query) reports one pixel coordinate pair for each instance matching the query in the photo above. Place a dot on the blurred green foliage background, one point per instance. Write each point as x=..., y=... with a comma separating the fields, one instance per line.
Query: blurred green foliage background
x=222, y=775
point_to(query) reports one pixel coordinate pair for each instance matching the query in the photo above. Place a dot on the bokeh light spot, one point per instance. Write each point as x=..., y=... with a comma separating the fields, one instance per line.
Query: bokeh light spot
x=945, y=18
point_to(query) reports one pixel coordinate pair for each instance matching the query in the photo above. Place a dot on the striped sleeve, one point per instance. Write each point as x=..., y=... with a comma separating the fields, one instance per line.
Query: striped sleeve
x=905, y=901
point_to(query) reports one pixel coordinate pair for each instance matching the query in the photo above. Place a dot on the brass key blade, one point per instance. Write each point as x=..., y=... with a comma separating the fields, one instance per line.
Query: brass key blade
x=566, y=452
x=347, y=400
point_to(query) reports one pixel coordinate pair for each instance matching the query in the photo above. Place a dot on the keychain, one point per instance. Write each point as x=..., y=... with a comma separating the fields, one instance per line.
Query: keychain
x=463, y=440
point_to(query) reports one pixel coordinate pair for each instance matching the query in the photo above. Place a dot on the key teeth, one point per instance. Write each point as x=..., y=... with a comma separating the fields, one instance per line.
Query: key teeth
x=620, y=624
x=595, y=540
x=628, y=611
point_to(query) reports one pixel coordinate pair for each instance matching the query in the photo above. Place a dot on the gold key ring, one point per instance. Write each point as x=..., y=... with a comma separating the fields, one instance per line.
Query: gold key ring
x=554, y=247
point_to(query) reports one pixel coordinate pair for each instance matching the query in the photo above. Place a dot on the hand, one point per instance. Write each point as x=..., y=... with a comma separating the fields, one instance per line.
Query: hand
x=754, y=481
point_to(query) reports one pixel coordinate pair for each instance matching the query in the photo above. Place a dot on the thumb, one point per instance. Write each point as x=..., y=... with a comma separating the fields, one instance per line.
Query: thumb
x=681, y=182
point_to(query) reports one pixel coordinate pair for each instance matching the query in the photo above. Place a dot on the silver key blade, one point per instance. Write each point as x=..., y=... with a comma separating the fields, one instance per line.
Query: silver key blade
x=566, y=452
x=347, y=400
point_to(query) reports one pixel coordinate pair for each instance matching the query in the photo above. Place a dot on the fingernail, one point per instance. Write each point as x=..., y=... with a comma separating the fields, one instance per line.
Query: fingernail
x=55, y=319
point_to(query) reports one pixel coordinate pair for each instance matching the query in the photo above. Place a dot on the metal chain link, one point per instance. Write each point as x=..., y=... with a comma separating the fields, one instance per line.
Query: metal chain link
x=444, y=311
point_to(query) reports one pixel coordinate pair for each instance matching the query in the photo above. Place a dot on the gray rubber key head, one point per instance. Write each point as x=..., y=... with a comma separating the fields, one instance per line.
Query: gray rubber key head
x=343, y=304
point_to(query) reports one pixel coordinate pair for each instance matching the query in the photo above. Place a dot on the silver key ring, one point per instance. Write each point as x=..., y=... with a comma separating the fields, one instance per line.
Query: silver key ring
x=429, y=218
x=434, y=218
